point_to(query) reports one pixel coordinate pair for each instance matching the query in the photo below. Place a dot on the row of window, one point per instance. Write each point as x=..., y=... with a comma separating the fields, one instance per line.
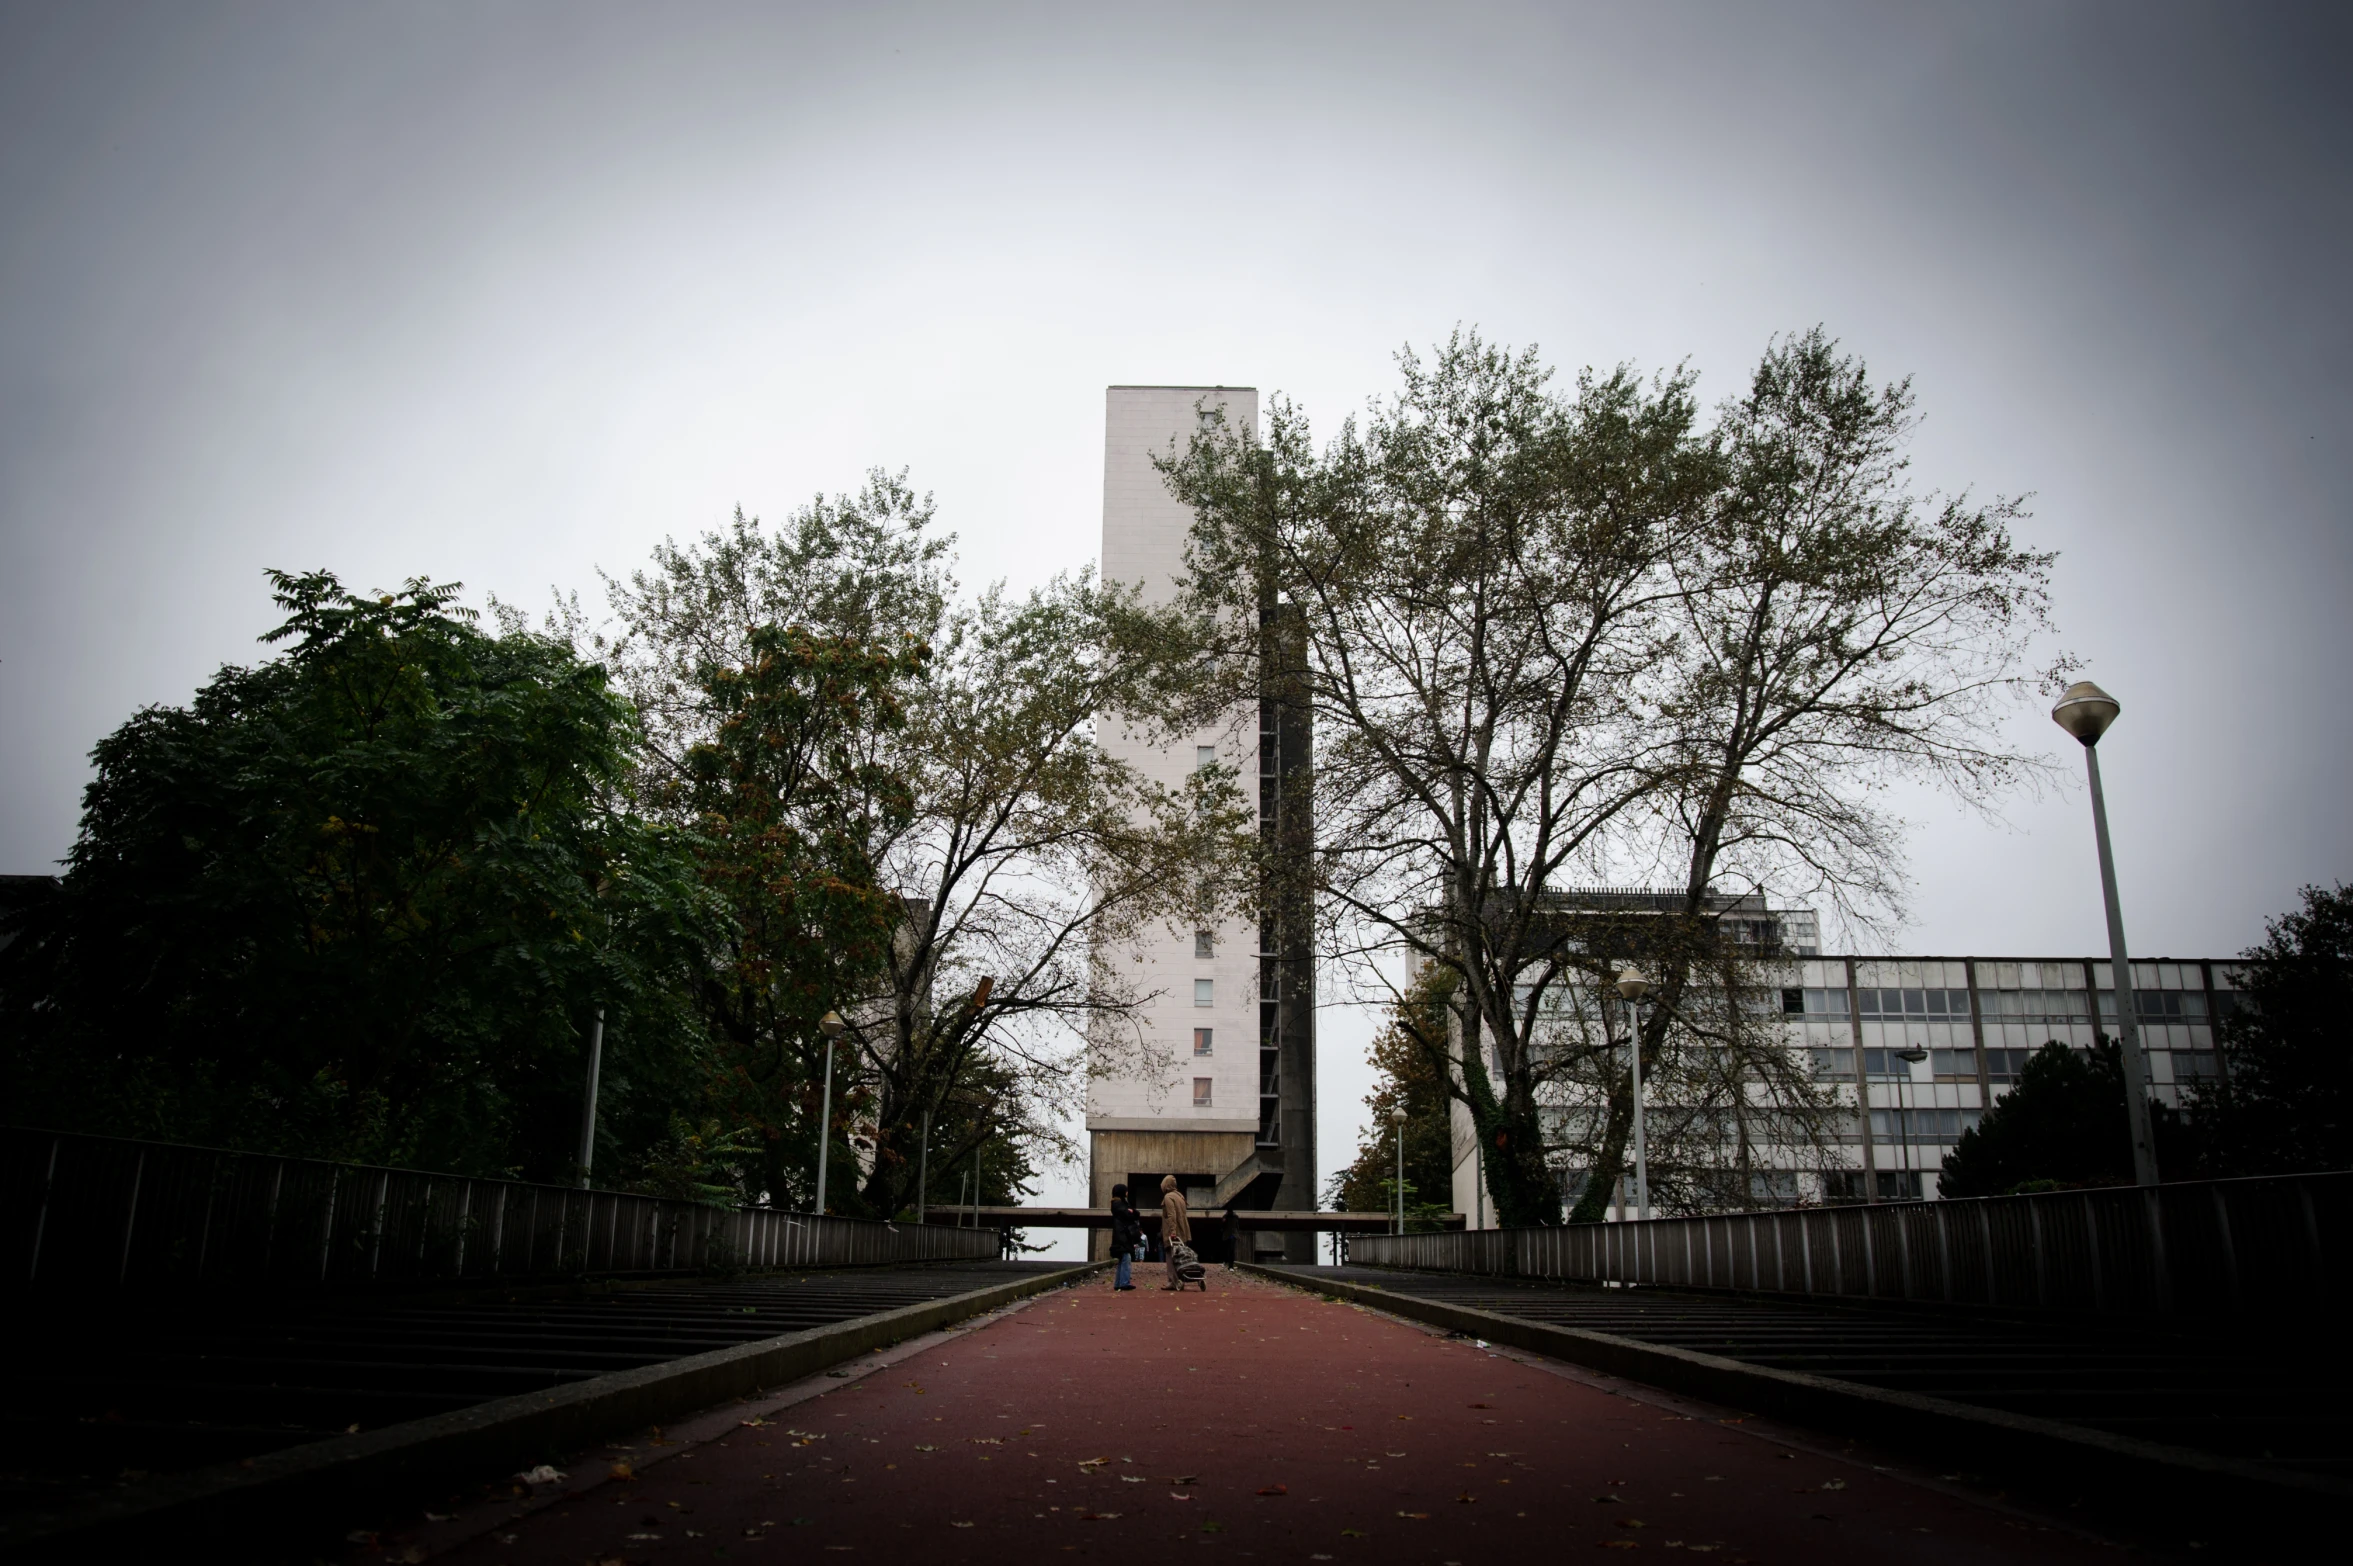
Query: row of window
x=2001, y=1065
x=1883, y=1005
x=1921, y=1125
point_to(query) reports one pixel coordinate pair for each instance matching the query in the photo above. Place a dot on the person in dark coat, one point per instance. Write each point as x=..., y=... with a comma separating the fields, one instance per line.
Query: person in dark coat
x=1127, y=1234
x=1233, y=1237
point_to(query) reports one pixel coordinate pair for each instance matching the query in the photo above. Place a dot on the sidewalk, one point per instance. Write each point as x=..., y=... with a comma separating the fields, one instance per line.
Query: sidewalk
x=1254, y=1422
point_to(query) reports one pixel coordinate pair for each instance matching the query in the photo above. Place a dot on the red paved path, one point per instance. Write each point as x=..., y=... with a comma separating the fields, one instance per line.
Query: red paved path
x=1253, y=1422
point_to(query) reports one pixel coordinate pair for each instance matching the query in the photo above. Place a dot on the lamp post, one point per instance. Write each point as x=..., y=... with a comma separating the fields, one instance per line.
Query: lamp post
x=2085, y=711
x=923, y=1172
x=596, y=1060
x=832, y=1027
x=1903, y=1118
x=1397, y=1119
x=1632, y=986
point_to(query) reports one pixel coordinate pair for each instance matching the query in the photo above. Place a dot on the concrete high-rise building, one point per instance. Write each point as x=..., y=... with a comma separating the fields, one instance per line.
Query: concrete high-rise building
x=1230, y=1008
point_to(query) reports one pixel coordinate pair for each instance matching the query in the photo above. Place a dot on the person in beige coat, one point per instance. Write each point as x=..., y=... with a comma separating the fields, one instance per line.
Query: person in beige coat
x=1175, y=1223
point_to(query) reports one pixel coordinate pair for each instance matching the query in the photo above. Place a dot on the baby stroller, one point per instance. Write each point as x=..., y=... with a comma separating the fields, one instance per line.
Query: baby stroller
x=1185, y=1266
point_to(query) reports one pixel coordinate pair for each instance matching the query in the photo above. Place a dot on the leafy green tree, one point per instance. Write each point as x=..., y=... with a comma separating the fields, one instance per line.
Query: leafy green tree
x=789, y=797
x=1479, y=578
x=2063, y=1125
x=1832, y=632
x=1409, y=1080
x=1556, y=636
x=362, y=901
x=2286, y=1102
x=1018, y=855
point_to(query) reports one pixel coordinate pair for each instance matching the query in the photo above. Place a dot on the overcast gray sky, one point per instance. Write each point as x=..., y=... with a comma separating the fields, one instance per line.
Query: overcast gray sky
x=504, y=293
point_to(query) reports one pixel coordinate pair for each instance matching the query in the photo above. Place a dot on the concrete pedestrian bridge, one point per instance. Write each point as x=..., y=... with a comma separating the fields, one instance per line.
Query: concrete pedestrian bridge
x=322, y=1359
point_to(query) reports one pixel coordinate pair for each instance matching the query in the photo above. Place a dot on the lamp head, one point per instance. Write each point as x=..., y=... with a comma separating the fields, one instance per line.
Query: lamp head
x=1631, y=983
x=1913, y=1055
x=831, y=1025
x=2085, y=711
x=1397, y=1117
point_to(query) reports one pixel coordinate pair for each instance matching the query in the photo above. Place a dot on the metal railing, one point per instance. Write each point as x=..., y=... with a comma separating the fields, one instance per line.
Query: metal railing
x=91, y=1210
x=2194, y=1248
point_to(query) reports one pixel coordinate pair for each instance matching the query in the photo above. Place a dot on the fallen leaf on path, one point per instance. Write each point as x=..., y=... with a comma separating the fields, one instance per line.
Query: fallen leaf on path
x=927, y=1449
x=1354, y=1533
x=623, y=1471
x=1276, y=1489
x=1135, y=1478
x=1178, y=1495
x=959, y=1525
x=1478, y=1405
x=1421, y=1516
x=1620, y=1544
x=543, y=1474
x=1834, y=1484
x=1465, y=1499
x=1098, y=1517
x=1629, y=1522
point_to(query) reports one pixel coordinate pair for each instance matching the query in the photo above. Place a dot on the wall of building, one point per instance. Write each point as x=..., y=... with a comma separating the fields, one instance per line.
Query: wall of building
x=1163, y=1083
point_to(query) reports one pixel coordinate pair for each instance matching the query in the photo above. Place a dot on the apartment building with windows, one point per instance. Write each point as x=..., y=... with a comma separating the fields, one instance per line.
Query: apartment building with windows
x=1853, y=1026
x=1230, y=1006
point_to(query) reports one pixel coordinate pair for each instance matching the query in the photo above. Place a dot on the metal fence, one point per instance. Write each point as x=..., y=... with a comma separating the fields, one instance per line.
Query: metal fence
x=83, y=1210
x=2196, y=1248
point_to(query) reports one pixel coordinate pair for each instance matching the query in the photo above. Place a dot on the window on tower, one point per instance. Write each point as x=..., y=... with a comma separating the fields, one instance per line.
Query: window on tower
x=1201, y=1040
x=1204, y=944
x=1204, y=992
x=1201, y=1092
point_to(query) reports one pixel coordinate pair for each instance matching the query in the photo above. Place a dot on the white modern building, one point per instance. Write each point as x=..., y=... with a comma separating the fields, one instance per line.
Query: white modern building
x=1854, y=1023
x=1224, y=1097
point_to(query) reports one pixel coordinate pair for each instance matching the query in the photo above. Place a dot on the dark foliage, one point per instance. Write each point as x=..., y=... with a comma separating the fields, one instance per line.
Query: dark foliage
x=2287, y=1103
x=361, y=901
x=1408, y=1080
x=2062, y=1125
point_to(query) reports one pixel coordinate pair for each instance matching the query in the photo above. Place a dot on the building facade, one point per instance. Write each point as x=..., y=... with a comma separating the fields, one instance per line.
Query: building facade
x=1229, y=1009
x=1880, y=1123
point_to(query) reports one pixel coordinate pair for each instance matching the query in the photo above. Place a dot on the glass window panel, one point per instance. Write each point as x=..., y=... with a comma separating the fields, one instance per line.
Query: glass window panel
x=1204, y=992
x=1201, y=1092
x=1202, y=1040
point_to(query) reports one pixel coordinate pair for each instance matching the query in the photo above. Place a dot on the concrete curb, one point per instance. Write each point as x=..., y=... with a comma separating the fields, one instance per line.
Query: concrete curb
x=306, y=1489
x=2069, y=1463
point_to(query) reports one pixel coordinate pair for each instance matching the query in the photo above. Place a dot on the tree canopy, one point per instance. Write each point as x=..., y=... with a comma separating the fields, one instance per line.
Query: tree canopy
x=362, y=900
x=1558, y=636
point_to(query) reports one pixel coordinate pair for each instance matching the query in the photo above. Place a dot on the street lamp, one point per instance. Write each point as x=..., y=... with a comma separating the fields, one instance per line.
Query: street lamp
x=1903, y=1119
x=1397, y=1119
x=832, y=1026
x=596, y=1060
x=1632, y=986
x=2085, y=711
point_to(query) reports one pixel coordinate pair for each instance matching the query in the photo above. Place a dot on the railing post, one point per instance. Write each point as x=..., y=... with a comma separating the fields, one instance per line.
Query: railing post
x=2042, y=1272
x=2230, y=1250
x=2154, y=1206
x=1944, y=1248
x=131, y=1215
x=2091, y=1239
x=327, y=1224
x=41, y=1222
